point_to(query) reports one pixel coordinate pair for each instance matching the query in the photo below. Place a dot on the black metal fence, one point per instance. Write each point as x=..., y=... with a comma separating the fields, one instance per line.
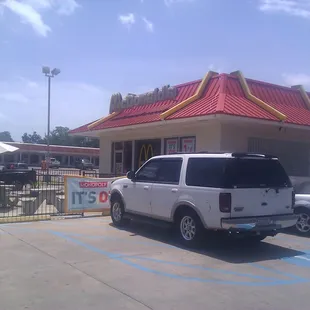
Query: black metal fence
x=39, y=198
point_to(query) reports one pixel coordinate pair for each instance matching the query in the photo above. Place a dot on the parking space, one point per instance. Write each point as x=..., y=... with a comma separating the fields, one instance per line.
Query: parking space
x=89, y=264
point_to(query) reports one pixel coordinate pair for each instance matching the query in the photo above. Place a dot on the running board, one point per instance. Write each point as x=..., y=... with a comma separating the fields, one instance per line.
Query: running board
x=147, y=220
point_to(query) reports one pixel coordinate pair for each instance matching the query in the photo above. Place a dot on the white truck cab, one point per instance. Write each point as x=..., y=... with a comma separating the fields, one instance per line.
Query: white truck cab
x=241, y=193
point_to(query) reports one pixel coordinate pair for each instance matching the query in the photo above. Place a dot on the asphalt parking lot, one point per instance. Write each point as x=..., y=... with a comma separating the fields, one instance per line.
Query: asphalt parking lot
x=89, y=264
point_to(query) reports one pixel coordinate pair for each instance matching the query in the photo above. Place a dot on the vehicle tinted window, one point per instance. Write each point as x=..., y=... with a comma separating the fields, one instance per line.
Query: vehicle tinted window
x=235, y=172
x=169, y=171
x=205, y=172
x=247, y=173
x=149, y=171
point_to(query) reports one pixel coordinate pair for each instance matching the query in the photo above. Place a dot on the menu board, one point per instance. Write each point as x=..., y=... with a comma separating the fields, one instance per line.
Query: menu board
x=171, y=146
x=188, y=145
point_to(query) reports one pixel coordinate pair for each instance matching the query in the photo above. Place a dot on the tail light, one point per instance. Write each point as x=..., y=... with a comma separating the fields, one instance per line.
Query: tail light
x=225, y=202
x=293, y=199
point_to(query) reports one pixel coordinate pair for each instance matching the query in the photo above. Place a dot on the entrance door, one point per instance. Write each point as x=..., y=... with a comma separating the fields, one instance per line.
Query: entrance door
x=118, y=162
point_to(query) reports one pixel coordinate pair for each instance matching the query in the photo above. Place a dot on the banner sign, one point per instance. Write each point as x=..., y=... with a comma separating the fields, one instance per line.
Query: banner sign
x=83, y=194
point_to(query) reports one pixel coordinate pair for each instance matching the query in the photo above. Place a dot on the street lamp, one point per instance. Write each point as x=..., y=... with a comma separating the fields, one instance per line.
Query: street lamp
x=49, y=74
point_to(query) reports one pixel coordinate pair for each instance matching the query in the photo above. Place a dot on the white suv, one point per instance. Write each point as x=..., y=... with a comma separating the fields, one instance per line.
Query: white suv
x=242, y=193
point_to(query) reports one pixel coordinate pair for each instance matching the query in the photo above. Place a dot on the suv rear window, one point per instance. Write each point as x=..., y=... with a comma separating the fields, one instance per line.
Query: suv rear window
x=236, y=172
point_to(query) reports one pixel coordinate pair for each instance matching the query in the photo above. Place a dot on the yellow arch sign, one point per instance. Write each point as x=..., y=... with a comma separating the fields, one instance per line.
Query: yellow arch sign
x=145, y=150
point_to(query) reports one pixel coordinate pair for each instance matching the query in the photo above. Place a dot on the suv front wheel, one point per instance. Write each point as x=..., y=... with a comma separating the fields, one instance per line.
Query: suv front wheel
x=189, y=228
x=117, y=212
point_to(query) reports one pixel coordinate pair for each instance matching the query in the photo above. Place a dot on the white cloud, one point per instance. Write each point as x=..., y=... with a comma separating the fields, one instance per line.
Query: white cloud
x=128, y=20
x=214, y=68
x=13, y=97
x=148, y=24
x=73, y=103
x=300, y=8
x=297, y=79
x=30, y=11
x=171, y=2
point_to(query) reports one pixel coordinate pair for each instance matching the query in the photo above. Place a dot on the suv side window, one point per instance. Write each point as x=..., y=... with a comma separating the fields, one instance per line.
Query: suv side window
x=205, y=172
x=149, y=172
x=170, y=170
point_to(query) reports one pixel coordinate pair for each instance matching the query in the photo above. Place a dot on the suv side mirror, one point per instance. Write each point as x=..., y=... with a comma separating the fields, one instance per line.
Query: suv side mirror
x=130, y=175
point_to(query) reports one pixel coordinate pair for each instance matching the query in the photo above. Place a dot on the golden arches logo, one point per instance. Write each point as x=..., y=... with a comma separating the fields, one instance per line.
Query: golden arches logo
x=146, y=151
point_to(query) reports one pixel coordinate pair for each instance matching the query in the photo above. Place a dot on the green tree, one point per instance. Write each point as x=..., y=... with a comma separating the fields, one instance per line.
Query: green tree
x=60, y=136
x=5, y=136
x=32, y=138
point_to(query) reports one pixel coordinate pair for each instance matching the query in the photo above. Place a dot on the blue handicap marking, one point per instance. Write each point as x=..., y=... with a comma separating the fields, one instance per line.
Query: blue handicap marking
x=299, y=260
x=252, y=279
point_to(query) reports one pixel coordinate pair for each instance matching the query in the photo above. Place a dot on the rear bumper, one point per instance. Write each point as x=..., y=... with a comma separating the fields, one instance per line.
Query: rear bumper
x=262, y=223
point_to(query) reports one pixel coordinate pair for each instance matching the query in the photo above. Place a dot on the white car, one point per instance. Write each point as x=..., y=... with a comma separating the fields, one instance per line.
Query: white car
x=53, y=163
x=243, y=194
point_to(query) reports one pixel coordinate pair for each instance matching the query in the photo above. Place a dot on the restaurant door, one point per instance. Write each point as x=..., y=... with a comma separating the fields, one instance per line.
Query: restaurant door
x=118, y=162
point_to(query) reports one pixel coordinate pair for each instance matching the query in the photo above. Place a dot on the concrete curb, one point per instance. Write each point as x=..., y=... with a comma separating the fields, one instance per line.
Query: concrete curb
x=18, y=219
x=35, y=218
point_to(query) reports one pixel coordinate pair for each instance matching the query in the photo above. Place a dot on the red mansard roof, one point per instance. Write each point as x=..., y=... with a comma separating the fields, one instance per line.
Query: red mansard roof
x=223, y=94
x=149, y=113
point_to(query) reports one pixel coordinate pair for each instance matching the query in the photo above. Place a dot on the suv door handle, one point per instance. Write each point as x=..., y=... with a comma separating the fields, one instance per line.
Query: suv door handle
x=174, y=190
x=146, y=188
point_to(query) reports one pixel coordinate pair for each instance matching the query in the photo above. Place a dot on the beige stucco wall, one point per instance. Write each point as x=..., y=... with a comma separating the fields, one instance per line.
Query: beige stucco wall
x=234, y=137
x=207, y=133
x=211, y=135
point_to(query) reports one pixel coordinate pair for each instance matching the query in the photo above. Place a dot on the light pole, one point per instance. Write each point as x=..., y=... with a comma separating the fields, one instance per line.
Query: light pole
x=49, y=74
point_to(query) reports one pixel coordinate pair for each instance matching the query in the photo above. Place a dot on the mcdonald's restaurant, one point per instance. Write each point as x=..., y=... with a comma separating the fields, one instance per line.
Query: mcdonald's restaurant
x=220, y=112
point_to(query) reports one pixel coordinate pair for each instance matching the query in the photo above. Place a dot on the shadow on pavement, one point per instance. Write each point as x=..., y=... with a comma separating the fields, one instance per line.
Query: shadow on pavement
x=217, y=246
x=293, y=232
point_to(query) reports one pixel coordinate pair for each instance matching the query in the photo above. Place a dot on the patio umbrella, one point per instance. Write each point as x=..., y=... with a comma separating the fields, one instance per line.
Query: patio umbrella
x=6, y=148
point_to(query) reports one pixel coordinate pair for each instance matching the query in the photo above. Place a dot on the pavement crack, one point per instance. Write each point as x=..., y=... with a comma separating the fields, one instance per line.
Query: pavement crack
x=110, y=286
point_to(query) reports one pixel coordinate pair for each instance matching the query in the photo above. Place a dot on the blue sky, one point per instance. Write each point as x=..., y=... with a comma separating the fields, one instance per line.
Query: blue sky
x=107, y=46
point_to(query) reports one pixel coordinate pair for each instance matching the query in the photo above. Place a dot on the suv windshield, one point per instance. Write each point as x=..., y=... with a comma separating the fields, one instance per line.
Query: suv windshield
x=236, y=172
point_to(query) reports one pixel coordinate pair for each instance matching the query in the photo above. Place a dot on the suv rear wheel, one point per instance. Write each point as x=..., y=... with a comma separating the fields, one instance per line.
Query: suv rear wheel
x=189, y=227
x=303, y=222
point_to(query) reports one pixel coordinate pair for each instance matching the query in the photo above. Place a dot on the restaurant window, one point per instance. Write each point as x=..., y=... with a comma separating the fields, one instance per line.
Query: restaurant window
x=127, y=156
x=188, y=144
x=171, y=145
x=145, y=149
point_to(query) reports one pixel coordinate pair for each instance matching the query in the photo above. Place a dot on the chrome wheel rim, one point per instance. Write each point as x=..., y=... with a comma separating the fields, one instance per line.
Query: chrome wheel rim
x=188, y=228
x=117, y=211
x=303, y=223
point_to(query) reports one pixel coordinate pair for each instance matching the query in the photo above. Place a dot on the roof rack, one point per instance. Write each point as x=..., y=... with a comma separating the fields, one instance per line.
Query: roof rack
x=233, y=154
x=241, y=154
x=200, y=152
